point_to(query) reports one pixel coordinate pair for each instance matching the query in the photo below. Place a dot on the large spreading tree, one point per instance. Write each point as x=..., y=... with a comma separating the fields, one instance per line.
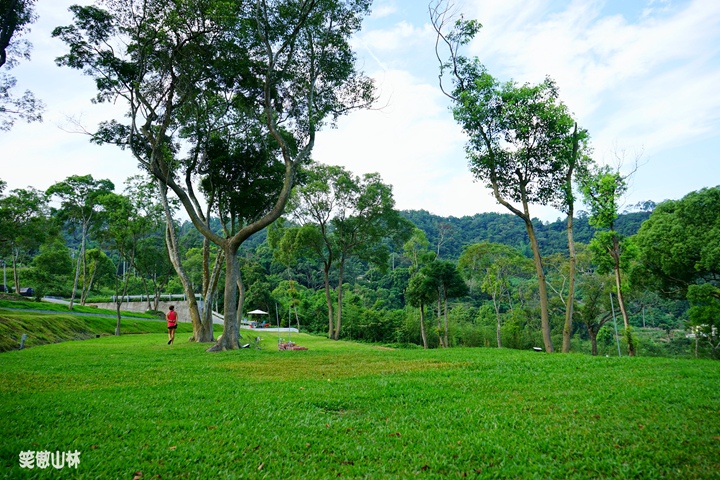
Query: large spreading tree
x=81, y=210
x=520, y=137
x=280, y=70
x=23, y=226
x=679, y=253
x=339, y=216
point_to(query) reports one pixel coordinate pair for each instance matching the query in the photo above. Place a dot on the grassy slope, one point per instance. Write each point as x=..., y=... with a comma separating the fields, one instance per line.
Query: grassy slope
x=44, y=328
x=61, y=308
x=134, y=404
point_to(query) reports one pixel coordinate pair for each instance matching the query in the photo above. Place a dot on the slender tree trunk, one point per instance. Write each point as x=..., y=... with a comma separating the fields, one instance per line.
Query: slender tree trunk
x=328, y=299
x=297, y=319
x=438, y=318
x=174, y=254
x=89, y=284
x=83, y=286
x=119, y=300
x=422, y=326
x=156, y=295
x=593, y=341
x=621, y=301
x=81, y=254
x=497, y=317
x=447, y=340
x=338, y=313
x=118, y=305
x=16, y=272
x=210, y=285
x=570, y=303
x=537, y=257
x=542, y=285
x=241, y=300
x=146, y=289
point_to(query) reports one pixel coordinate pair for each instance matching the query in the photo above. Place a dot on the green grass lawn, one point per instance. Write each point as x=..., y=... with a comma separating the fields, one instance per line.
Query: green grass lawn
x=60, y=308
x=135, y=407
x=44, y=328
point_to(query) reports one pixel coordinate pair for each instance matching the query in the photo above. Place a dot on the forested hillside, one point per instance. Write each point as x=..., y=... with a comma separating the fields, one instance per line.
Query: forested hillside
x=449, y=235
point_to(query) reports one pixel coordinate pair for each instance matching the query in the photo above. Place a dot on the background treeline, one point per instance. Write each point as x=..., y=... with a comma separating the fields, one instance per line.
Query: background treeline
x=450, y=235
x=44, y=246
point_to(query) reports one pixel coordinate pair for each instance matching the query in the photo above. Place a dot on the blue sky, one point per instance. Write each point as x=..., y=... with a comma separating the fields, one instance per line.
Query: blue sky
x=642, y=76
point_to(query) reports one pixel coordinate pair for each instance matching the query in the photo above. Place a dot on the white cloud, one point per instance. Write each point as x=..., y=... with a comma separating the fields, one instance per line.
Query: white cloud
x=650, y=82
x=402, y=36
x=647, y=80
x=383, y=10
x=40, y=154
x=415, y=145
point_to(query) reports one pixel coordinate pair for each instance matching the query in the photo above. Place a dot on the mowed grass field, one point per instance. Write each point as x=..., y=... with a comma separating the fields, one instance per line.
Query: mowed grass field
x=137, y=408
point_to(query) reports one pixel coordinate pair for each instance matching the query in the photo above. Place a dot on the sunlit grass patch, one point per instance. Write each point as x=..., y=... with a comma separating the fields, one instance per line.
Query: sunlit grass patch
x=44, y=328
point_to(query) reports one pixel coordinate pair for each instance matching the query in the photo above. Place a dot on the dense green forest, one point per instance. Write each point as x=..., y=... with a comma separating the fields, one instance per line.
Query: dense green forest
x=376, y=307
x=509, y=230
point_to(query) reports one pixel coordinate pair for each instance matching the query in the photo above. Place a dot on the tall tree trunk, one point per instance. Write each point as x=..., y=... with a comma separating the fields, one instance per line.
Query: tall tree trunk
x=338, y=312
x=570, y=303
x=438, y=318
x=422, y=326
x=206, y=330
x=16, y=271
x=83, y=286
x=593, y=341
x=88, y=285
x=230, y=339
x=146, y=289
x=542, y=285
x=210, y=285
x=119, y=300
x=447, y=340
x=174, y=254
x=241, y=301
x=621, y=301
x=497, y=317
x=118, y=305
x=328, y=299
x=81, y=254
x=537, y=257
x=156, y=295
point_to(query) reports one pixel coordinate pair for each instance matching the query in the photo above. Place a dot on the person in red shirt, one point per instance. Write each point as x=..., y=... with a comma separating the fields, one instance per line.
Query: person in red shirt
x=172, y=324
